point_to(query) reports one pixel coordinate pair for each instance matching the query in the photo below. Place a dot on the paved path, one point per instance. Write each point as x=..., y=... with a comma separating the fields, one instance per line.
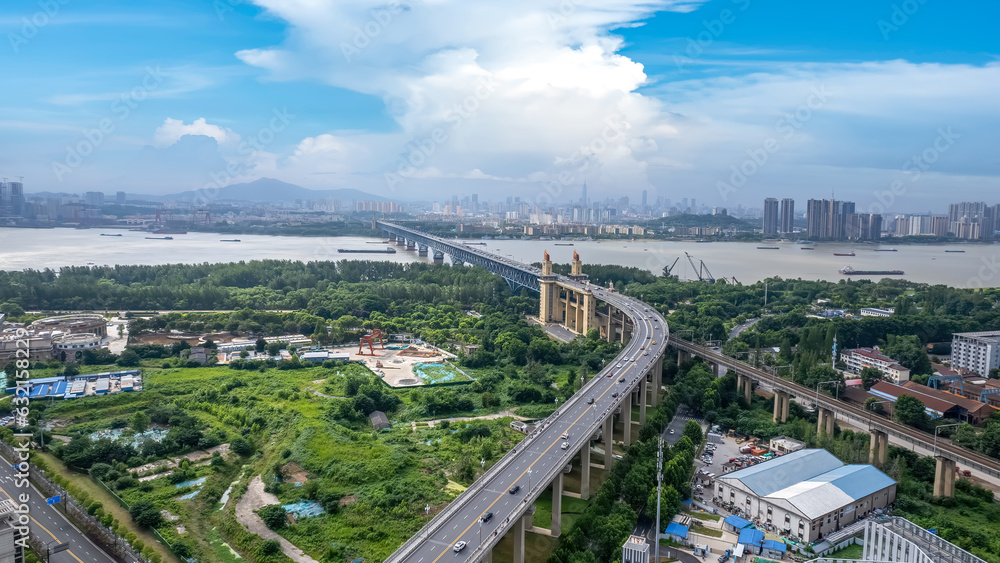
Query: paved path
x=508, y=412
x=254, y=499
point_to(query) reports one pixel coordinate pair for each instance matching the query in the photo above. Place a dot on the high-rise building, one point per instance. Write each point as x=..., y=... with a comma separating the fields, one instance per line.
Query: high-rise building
x=644, y=205
x=863, y=226
x=120, y=198
x=787, y=215
x=973, y=220
x=12, y=199
x=94, y=198
x=771, y=218
x=583, y=195
x=827, y=218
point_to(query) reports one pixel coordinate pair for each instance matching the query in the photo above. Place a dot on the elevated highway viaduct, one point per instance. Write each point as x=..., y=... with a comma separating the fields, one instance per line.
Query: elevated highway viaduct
x=508, y=489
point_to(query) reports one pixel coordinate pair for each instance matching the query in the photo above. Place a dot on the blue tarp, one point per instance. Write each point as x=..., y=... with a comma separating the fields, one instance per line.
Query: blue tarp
x=750, y=536
x=774, y=545
x=677, y=530
x=737, y=522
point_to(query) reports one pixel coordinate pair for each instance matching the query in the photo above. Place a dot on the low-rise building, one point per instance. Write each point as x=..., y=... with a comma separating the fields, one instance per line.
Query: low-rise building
x=785, y=445
x=858, y=359
x=635, y=550
x=877, y=312
x=937, y=403
x=805, y=494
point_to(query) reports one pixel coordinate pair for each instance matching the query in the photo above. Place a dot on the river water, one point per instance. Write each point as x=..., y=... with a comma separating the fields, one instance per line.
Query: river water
x=978, y=266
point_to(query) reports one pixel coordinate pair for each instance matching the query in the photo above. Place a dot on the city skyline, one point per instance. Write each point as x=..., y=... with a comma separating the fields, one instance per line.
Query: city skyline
x=672, y=97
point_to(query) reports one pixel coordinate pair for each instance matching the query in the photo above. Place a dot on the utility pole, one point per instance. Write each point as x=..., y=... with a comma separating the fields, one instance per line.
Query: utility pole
x=659, y=491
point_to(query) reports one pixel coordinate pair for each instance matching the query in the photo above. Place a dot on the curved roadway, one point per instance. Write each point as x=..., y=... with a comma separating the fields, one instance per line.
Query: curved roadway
x=536, y=461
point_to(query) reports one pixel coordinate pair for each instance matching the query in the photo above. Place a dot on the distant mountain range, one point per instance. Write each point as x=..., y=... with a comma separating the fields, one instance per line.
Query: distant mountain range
x=270, y=190
x=265, y=190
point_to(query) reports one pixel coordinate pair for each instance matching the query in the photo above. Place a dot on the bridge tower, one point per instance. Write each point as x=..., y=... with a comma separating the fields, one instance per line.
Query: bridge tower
x=551, y=306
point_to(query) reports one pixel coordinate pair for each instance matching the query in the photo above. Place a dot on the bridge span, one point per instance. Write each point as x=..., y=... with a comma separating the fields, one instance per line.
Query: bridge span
x=501, y=500
x=828, y=408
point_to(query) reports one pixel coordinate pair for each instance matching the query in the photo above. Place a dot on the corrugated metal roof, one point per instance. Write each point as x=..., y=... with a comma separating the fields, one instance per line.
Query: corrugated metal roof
x=774, y=545
x=737, y=522
x=678, y=530
x=782, y=472
x=834, y=489
x=751, y=536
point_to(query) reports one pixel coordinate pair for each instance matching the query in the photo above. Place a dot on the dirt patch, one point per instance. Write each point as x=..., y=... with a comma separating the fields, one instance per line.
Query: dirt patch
x=415, y=353
x=294, y=473
x=349, y=499
x=168, y=516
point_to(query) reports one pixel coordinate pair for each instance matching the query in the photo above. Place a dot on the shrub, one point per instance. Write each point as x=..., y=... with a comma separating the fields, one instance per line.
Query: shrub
x=145, y=513
x=270, y=547
x=274, y=516
x=241, y=446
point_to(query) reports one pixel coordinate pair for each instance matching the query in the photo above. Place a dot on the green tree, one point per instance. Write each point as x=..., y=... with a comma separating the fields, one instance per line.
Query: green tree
x=910, y=411
x=128, y=358
x=274, y=516
x=870, y=376
x=260, y=345
x=874, y=405
x=144, y=513
x=909, y=352
x=692, y=430
x=140, y=421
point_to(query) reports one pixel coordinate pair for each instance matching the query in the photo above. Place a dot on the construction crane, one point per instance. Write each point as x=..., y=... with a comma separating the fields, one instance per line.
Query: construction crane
x=669, y=270
x=701, y=270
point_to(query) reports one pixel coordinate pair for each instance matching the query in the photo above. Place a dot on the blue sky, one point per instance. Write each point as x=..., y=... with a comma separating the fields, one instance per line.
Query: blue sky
x=892, y=104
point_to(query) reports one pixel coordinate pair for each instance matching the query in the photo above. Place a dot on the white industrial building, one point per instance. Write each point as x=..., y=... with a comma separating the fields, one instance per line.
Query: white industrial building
x=978, y=352
x=805, y=494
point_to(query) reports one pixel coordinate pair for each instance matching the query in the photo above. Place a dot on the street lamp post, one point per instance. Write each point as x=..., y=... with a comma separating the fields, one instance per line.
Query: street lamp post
x=936, y=428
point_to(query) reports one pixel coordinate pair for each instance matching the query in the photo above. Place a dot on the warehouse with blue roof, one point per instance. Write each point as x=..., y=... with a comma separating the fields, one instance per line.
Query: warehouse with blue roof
x=806, y=494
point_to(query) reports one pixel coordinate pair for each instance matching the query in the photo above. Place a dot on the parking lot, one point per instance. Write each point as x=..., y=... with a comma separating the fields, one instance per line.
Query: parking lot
x=718, y=450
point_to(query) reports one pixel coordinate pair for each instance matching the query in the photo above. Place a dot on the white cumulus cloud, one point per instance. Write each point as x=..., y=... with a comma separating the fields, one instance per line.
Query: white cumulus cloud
x=173, y=129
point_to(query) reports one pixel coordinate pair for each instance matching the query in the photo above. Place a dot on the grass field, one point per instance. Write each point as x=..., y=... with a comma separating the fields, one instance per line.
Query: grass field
x=706, y=531
x=373, y=485
x=853, y=551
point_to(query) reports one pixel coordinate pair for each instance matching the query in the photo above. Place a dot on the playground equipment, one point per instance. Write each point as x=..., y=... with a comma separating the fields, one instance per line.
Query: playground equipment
x=370, y=339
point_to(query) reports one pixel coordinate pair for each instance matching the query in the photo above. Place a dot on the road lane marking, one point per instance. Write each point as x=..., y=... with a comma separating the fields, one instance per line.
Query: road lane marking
x=546, y=451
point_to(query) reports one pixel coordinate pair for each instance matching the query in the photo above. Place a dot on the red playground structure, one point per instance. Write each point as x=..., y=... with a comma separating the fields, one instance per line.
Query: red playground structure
x=370, y=340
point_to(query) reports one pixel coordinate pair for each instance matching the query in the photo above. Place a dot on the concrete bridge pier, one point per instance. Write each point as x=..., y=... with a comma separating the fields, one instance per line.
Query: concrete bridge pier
x=557, y=493
x=657, y=381
x=781, y=401
x=627, y=423
x=682, y=357
x=643, y=390
x=422, y=250
x=878, y=451
x=944, y=477
x=438, y=256
x=392, y=237
x=609, y=440
x=457, y=261
x=410, y=245
x=745, y=386
x=585, y=471
x=400, y=241
x=519, y=528
x=824, y=421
